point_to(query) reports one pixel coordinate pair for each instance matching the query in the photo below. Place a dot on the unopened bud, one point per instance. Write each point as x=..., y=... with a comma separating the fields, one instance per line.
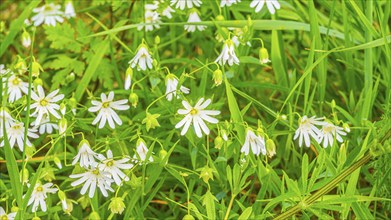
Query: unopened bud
x=62, y=126
x=68, y=208
x=37, y=82
x=36, y=218
x=94, y=216
x=70, y=78
x=61, y=195
x=218, y=142
x=224, y=135
x=333, y=103
x=128, y=78
x=26, y=39
x=14, y=209
x=24, y=176
x=188, y=217
x=133, y=99
x=117, y=205
x=218, y=77
x=162, y=154
x=220, y=18
x=36, y=69
x=157, y=39
x=63, y=108
x=57, y=161
x=270, y=148
x=263, y=56
x=346, y=127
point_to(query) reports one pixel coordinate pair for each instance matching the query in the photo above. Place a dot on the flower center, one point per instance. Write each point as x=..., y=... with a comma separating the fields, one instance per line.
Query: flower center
x=39, y=189
x=48, y=8
x=16, y=127
x=43, y=102
x=15, y=81
x=193, y=111
x=4, y=217
x=105, y=104
x=328, y=129
x=110, y=163
x=96, y=172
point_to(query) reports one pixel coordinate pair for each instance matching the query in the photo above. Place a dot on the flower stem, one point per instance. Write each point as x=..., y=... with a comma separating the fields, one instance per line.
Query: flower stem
x=229, y=206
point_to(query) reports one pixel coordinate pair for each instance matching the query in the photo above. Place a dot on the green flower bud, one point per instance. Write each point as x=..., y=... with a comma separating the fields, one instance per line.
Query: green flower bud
x=151, y=121
x=20, y=65
x=94, y=216
x=2, y=26
x=70, y=78
x=36, y=69
x=62, y=126
x=206, y=174
x=84, y=201
x=333, y=103
x=346, y=127
x=117, y=205
x=270, y=148
x=24, y=176
x=37, y=82
x=57, y=161
x=157, y=39
x=162, y=154
x=218, y=77
x=30, y=151
x=61, y=195
x=220, y=18
x=69, y=208
x=26, y=39
x=133, y=99
x=263, y=56
x=218, y=142
x=14, y=209
x=188, y=217
x=36, y=218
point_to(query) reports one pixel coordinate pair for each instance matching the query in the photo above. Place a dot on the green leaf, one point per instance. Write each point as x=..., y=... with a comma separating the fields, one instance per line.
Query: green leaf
x=236, y=116
x=209, y=202
x=246, y=213
x=62, y=37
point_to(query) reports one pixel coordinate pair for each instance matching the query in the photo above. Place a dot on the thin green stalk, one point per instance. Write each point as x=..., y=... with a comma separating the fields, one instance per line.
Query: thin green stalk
x=229, y=206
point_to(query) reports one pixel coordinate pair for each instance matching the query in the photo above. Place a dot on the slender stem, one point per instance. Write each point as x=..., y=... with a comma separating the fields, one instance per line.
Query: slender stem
x=229, y=206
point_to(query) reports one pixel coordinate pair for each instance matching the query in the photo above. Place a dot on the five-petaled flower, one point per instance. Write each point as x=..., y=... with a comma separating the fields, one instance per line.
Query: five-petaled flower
x=330, y=131
x=39, y=195
x=45, y=104
x=255, y=141
x=308, y=129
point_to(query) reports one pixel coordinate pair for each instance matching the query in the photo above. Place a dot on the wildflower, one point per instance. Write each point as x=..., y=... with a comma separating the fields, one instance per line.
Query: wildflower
x=26, y=39
x=218, y=77
x=194, y=18
x=16, y=88
x=228, y=2
x=329, y=132
x=114, y=167
x=39, y=195
x=271, y=5
x=167, y=12
x=218, y=142
x=181, y=4
x=69, y=10
x=45, y=104
x=5, y=120
x=255, y=141
x=63, y=199
x=142, y=59
x=133, y=99
x=196, y=115
x=142, y=151
x=117, y=205
x=263, y=56
x=224, y=135
x=271, y=148
x=62, y=126
x=151, y=19
x=36, y=69
x=106, y=112
x=45, y=126
x=206, y=173
x=308, y=129
x=151, y=121
x=228, y=54
x=3, y=70
x=4, y=215
x=172, y=86
x=128, y=78
x=15, y=134
x=85, y=155
x=91, y=179
x=49, y=13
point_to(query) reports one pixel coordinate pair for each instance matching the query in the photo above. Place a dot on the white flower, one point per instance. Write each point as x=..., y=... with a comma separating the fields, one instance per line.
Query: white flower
x=69, y=10
x=114, y=167
x=228, y=2
x=15, y=134
x=45, y=104
x=197, y=115
x=151, y=19
x=172, y=86
x=3, y=70
x=91, y=179
x=328, y=132
x=26, y=39
x=194, y=18
x=142, y=151
x=3, y=215
x=16, y=88
x=142, y=59
x=85, y=155
x=106, y=112
x=5, y=119
x=45, y=125
x=181, y=4
x=39, y=195
x=256, y=142
x=228, y=54
x=167, y=12
x=128, y=78
x=50, y=14
x=271, y=5
x=308, y=129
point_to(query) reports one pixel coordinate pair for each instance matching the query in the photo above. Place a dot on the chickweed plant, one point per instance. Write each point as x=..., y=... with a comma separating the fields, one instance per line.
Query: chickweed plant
x=195, y=109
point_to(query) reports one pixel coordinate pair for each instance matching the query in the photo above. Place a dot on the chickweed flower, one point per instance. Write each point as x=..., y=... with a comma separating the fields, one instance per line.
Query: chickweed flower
x=69, y=10
x=26, y=39
x=113, y=167
x=117, y=205
x=142, y=59
x=133, y=99
x=106, y=112
x=194, y=18
x=196, y=116
x=263, y=56
x=91, y=179
x=45, y=104
x=172, y=86
x=85, y=155
x=45, y=126
x=228, y=54
x=128, y=78
x=15, y=135
x=228, y=2
x=5, y=120
x=39, y=195
x=142, y=151
x=308, y=129
x=272, y=5
x=49, y=14
x=151, y=18
x=271, y=148
x=4, y=215
x=181, y=4
x=255, y=141
x=151, y=121
x=329, y=132
x=167, y=12
x=16, y=88
x=218, y=77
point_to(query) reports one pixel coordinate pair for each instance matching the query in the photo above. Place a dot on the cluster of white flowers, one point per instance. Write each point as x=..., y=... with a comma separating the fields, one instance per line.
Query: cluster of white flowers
x=51, y=13
x=307, y=129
